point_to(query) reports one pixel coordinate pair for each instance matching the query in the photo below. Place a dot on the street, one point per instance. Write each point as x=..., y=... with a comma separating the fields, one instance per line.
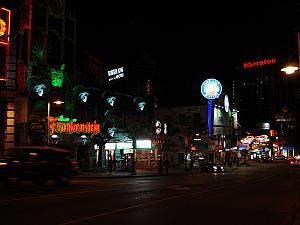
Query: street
x=266, y=194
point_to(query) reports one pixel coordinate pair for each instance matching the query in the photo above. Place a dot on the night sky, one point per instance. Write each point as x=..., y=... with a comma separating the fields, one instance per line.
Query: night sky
x=191, y=40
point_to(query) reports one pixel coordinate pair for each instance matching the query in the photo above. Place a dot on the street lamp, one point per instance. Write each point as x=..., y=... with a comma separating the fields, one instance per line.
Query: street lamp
x=290, y=69
x=57, y=102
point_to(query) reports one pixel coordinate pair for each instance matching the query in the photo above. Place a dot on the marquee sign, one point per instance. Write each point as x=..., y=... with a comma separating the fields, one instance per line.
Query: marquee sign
x=70, y=127
x=211, y=88
x=5, y=15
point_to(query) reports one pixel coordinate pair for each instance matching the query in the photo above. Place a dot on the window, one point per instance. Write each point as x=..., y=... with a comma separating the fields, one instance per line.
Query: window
x=196, y=120
x=181, y=119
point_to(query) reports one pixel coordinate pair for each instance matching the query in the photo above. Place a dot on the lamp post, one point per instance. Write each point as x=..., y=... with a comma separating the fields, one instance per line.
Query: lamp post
x=57, y=102
x=290, y=71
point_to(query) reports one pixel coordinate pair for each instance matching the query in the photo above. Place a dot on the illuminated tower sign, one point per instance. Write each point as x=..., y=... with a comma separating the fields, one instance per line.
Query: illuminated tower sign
x=210, y=89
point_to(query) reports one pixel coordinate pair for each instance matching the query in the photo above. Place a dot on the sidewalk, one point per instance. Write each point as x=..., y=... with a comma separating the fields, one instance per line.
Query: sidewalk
x=173, y=171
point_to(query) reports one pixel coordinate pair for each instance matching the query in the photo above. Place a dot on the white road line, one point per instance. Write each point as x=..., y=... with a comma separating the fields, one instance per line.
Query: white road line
x=54, y=195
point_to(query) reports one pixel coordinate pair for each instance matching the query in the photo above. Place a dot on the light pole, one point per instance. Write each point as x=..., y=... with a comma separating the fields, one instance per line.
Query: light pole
x=290, y=120
x=57, y=102
x=289, y=71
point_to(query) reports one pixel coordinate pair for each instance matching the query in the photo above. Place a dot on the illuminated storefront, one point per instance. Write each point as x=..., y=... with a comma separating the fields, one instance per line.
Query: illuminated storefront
x=119, y=155
x=257, y=147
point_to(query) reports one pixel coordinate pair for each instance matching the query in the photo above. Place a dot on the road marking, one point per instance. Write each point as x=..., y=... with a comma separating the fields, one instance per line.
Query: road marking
x=54, y=195
x=179, y=187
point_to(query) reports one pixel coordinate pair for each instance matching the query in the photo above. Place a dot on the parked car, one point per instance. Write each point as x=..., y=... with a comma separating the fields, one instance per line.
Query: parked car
x=37, y=163
x=295, y=163
x=211, y=167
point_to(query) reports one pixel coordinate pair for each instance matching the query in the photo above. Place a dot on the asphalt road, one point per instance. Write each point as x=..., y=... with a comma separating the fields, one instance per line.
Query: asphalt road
x=267, y=194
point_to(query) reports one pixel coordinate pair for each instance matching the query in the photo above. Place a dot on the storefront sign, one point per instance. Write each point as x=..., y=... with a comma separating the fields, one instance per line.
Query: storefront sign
x=37, y=127
x=56, y=126
x=211, y=88
x=115, y=74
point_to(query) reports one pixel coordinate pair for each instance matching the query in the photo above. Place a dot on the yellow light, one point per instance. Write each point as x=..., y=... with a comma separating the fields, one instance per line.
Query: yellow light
x=290, y=69
x=3, y=163
x=58, y=102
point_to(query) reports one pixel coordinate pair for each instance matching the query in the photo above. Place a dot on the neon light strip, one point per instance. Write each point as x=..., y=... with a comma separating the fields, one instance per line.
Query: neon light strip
x=209, y=118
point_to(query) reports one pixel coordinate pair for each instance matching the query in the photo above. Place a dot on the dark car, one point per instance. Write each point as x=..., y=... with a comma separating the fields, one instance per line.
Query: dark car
x=37, y=163
x=210, y=167
x=295, y=163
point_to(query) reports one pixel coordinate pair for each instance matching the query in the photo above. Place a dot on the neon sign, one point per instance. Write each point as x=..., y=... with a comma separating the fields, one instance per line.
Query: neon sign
x=4, y=26
x=259, y=63
x=57, y=76
x=56, y=126
x=61, y=118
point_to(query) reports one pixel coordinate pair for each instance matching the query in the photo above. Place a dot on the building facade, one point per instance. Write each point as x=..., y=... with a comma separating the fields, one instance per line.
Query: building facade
x=187, y=139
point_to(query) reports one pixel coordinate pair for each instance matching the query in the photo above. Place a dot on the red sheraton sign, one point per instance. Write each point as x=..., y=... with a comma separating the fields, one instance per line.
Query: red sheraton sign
x=56, y=126
x=259, y=63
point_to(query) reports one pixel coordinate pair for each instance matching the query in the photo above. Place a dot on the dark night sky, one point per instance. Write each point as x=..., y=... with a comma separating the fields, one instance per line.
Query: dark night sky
x=191, y=40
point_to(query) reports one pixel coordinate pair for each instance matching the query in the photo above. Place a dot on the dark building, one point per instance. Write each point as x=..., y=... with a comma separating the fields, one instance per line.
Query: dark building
x=42, y=41
x=266, y=97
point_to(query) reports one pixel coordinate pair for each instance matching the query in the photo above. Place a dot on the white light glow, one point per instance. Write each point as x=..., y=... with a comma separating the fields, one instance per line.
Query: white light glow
x=290, y=69
x=143, y=143
x=110, y=146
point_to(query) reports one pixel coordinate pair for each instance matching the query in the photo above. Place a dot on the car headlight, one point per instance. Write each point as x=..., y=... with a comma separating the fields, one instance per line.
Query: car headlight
x=214, y=167
x=222, y=167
